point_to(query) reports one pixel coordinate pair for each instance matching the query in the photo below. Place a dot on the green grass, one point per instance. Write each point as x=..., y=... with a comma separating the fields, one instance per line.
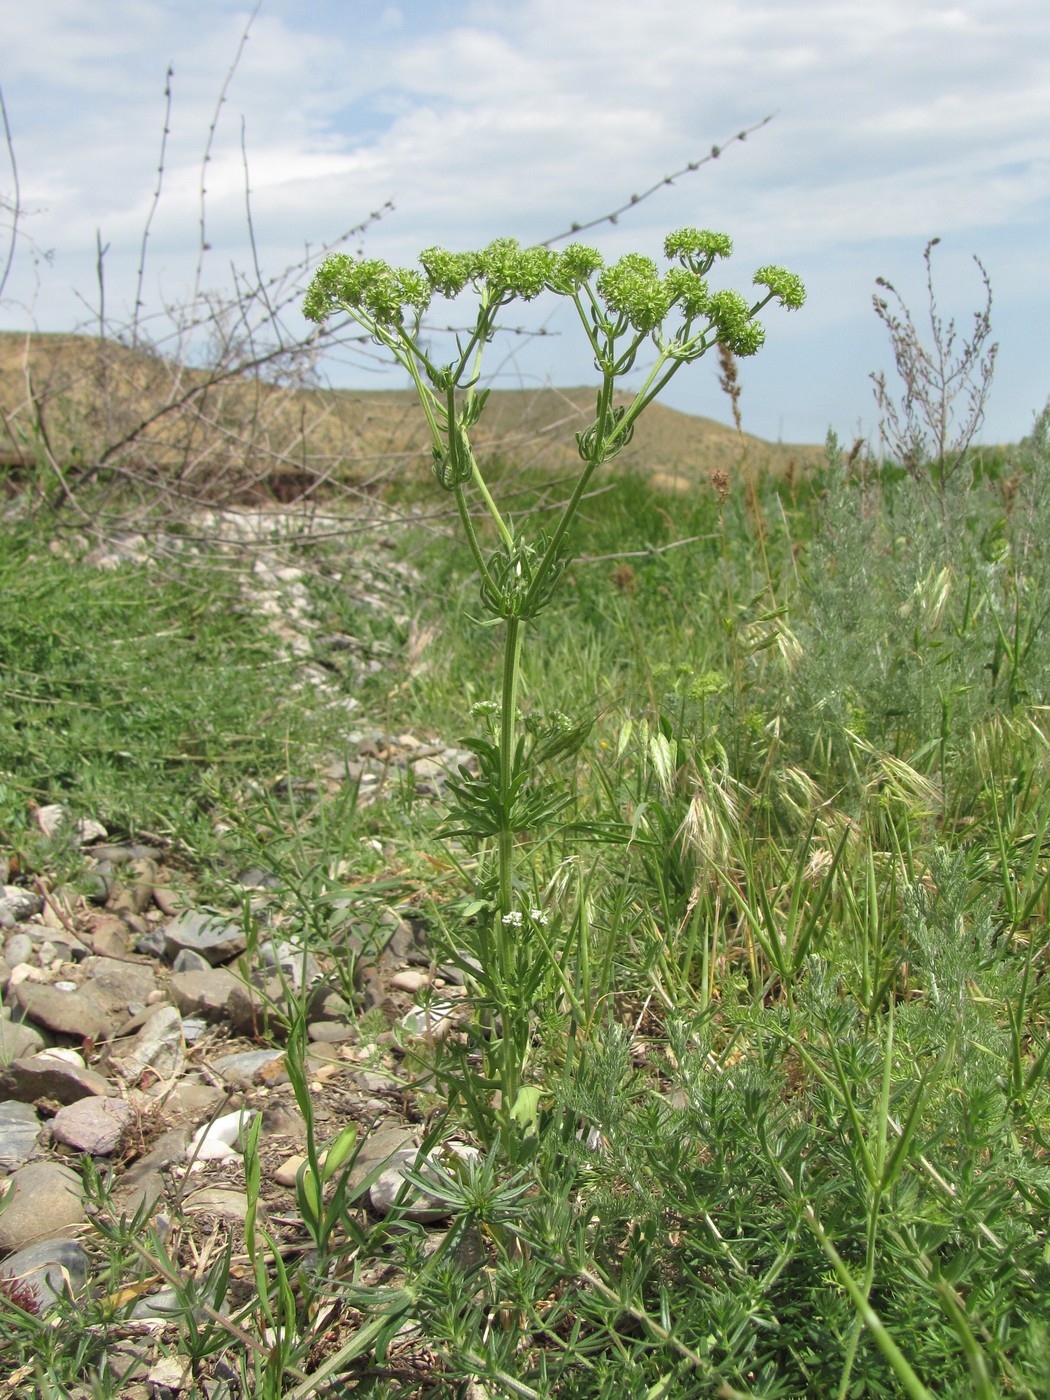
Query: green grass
x=791, y=1125
x=144, y=697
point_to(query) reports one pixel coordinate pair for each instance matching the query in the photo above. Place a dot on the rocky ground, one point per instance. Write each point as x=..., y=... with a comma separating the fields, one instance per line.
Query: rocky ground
x=140, y=1033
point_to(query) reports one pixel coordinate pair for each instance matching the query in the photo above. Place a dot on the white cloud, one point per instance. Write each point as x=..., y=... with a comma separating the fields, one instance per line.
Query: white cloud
x=893, y=122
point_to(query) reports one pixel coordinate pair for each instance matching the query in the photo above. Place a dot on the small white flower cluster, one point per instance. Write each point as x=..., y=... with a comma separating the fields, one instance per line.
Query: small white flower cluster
x=515, y=918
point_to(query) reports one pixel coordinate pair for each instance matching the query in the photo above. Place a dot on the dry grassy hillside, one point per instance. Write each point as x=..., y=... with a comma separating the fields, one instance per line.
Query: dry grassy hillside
x=96, y=407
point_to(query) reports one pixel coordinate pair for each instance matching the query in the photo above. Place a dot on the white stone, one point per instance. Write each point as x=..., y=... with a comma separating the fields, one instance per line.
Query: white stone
x=214, y=1142
x=52, y=818
x=61, y=1052
x=432, y=1020
x=88, y=829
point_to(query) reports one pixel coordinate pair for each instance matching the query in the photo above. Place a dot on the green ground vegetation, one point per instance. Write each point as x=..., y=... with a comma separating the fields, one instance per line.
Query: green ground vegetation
x=788, y=1039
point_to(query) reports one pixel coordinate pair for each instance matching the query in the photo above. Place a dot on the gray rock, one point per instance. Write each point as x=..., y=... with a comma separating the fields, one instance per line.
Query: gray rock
x=170, y=1376
x=19, y=1126
x=158, y=1046
x=92, y=1125
x=17, y=1039
x=135, y=892
x=331, y=1032
x=18, y=949
x=242, y=1068
x=415, y=1204
x=45, y=1203
x=67, y=1013
x=47, y=944
x=137, y=1189
x=164, y=1304
x=193, y=1099
x=109, y=938
x=193, y=1027
x=97, y=885
x=205, y=994
x=396, y=938
x=69, y=948
x=116, y=985
x=291, y=959
x=189, y=961
x=219, y=1201
x=371, y=1082
x=169, y=1148
x=456, y=974
x=283, y=1121
x=248, y=1011
x=17, y=905
x=46, y=1076
x=379, y=1148
x=51, y=1269
x=121, y=854
x=219, y=996
x=212, y=935
x=254, y=878
x=327, y=1005
x=151, y=943
x=429, y=770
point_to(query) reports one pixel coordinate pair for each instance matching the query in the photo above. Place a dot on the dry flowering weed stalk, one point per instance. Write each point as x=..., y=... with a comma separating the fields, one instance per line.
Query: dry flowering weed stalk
x=945, y=383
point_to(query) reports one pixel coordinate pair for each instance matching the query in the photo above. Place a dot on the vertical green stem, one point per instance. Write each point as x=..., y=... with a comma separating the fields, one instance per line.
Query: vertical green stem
x=471, y=533
x=507, y=742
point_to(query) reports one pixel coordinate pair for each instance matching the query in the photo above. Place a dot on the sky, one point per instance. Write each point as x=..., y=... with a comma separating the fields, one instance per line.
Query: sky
x=891, y=123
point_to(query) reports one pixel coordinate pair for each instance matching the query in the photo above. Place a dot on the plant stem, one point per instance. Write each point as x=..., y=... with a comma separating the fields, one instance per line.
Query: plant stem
x=507, y=740
x=471, y=533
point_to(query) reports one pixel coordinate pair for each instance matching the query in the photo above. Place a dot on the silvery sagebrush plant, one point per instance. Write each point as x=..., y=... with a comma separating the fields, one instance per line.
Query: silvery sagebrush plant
x=626, y=310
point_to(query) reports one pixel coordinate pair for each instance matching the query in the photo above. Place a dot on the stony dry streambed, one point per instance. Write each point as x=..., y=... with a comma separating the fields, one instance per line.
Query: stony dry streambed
x=141, y=1034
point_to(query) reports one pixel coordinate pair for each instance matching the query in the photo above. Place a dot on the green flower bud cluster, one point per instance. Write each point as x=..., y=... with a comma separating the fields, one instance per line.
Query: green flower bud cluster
x=632, y=289
x=577, y=264
x=382, y=292
x=453, y=465
x=449, y=272
x=736, y=330
x=600, y=441
x=785, y=286
x=697, y=248
x=504, y=268
x=510, y=270
x=509, y=578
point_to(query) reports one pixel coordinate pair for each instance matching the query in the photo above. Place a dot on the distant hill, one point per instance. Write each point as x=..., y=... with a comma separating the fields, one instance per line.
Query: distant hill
x=105, y=404
x=538, y=427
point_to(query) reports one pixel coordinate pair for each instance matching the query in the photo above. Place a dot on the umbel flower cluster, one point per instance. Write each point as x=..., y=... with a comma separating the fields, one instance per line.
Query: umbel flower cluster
x=629, y=294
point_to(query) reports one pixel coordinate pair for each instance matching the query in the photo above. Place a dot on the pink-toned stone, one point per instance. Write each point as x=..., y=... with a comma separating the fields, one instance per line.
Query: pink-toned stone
x=92, y=1125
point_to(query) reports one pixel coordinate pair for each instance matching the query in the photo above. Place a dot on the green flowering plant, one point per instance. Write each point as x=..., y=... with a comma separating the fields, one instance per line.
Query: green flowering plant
x=623, y=308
